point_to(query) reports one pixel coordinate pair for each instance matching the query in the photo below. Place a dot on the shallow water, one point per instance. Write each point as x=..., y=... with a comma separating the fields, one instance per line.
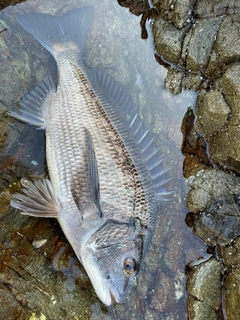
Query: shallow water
x=114, y=44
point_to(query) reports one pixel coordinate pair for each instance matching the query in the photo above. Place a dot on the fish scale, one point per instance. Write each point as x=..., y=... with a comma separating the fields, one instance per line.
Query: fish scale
x=73, y=121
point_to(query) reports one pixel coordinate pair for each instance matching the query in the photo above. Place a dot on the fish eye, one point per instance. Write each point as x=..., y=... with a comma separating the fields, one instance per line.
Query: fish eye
x=130, y=266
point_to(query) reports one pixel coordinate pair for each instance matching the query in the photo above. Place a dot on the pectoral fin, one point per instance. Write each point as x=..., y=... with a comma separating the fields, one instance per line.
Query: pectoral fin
x=85, y=182
x=38, y=200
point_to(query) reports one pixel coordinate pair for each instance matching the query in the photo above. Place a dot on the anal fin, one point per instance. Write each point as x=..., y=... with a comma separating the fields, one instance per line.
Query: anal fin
x=38, y=200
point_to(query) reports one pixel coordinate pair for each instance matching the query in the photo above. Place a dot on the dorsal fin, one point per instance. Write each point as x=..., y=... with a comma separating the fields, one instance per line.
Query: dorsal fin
x=35, y=103
x=118, y=96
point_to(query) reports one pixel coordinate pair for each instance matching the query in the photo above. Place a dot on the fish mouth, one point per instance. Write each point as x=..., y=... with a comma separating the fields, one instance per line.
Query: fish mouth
x=115, y=294
x=104, y=286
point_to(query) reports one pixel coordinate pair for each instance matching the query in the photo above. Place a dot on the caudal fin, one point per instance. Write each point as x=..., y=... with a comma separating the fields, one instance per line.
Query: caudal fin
x=49, y=30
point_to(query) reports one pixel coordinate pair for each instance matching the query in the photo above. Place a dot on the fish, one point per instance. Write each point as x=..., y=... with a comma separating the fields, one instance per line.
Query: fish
x=106, y=178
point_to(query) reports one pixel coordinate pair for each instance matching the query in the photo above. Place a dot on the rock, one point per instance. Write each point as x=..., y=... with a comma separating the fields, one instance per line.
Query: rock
x=199, y=47
x=231, y=254
x=205, y=8
x=226, y=46
x=231, y=294
x=6, y=3
x=207, y=185
x=214, y=199
x=212, y=113
x=193, y=147
x=224, y=148
x=177, y=81
x=28, y=280
x=168, y=39
x=204, y=287
x=198, y=39
x=173, y=80
x=163, y=296
x=193, y=81
x=179, y=12
x=137, y=7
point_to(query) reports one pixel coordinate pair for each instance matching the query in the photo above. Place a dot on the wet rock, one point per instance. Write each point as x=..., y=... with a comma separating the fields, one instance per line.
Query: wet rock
x=214, y=199
x=137, y=7
x=231, y=294
x=168, y=287
x=219, y=119
x=204, y=287
x=168, y=39
x=179, y=12
x=205, y=8
x=193, y=147
x=27, y=280
x=212, y=114
x=176, y=81
x=231, y=253
x=200, y=44
x=226, y=47
x=6, y=3
x=173, y=80
x=224, y=148
x=188, y=49
x=193, y=81
x=4, y=125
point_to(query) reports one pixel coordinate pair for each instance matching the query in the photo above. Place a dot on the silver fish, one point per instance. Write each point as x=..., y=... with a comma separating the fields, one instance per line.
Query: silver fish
x=106, y=176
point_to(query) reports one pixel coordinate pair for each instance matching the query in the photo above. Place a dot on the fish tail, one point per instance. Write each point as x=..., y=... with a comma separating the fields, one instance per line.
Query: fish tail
x=49, y=30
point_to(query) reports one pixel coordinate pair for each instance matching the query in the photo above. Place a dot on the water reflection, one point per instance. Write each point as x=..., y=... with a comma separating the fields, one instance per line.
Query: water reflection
x=59, y=288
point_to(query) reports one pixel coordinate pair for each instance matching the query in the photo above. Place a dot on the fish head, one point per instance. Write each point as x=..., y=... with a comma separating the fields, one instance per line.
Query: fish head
x=112, y=258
